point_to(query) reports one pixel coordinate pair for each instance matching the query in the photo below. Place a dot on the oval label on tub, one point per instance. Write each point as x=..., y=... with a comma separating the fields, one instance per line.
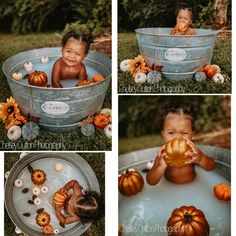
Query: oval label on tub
x=55, y=108
x=175, y=54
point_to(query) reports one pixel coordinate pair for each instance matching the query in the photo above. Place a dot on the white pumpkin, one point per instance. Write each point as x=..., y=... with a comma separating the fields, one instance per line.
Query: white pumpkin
x=14, y=133
x=108, y=131
x=36, y=191
x=106, y=111
x=218, y=78
x=7, y=174
x=56, y=231
x=45, y=59
x=17, y=76
x=58, y=167
x=37, y=201
x=44, y=189
x=140, y=78
x=28, y=67
x=18, y=231
x=124, y=65
x=18, y=183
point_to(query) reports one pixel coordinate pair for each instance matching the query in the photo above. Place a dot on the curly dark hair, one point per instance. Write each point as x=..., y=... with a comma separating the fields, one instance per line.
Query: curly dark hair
x=179, y=110
x=90, y=208
x=85, y=38
x=184, y=7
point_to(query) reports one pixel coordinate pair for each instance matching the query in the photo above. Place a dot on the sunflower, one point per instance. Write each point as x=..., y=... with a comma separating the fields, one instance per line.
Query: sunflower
x=8, y=109
x=17, y=119
x=136, y=65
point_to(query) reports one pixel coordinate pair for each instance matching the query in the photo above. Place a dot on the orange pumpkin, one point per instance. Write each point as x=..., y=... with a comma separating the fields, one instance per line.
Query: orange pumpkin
x=130, y=182
x=188, y=221
x=101, y=121
x=211, y=70
x=96, y=78
x=182, y=27
x=223, y=191
x=43, y=219
x=175, y=152
x=48, y=229
x=83, y=83
x=59, y=199
x=38, y=78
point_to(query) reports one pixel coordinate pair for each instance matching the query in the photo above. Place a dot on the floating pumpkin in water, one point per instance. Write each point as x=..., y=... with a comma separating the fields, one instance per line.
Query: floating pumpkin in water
x=38, y=78
x=38, y=177
x=223, y=191
x=43, y=219
x=188, y=221
x=48, y=229
x=182, y=27
x=97, y=78
x=175, y=152
x=130, y=182
x=83, y=83
x=101, y=121
x=17, y=76
x=59, y=199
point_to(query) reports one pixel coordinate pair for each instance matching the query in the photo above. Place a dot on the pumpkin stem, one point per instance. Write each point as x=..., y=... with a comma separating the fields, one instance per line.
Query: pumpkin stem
x=187, y=217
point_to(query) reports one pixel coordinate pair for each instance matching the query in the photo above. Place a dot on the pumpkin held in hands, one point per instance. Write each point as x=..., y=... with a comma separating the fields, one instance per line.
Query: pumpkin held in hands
x=59, y=199
x=38, y=78
x=130, y=182
x=188, y=221
x=175, y=152
x=97, y=78
x=223, y=191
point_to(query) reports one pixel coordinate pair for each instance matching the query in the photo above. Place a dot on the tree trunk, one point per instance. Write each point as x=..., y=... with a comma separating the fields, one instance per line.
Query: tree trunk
x=220, y=12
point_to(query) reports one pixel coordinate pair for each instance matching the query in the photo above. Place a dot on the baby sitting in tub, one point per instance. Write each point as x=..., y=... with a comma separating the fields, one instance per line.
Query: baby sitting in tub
x=183, y=22
x=178, y=122
x=70, y=66
x=76, y=204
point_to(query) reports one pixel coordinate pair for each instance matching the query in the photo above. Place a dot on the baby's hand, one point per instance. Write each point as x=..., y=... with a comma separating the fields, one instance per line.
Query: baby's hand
x=195, y=153
x=161, y=158
x=62, y=190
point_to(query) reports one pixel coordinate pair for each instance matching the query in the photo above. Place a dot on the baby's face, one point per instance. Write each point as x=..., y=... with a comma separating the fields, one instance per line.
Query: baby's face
x=176, y=125
x=184, y=17
x=73, y=52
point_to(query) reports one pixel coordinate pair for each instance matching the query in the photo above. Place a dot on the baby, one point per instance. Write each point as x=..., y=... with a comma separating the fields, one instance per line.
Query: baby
x=78, y=206
x=178, y=122
x=183, y=22
x=70, y=66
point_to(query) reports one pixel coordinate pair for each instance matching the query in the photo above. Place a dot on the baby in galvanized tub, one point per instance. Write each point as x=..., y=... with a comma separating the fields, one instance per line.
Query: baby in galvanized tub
x=70, y=66
x=79, y=205
x=177, y=158
x=183, y=21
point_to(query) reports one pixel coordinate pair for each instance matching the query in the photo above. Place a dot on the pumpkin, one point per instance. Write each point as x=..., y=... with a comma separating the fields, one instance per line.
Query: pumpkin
x=97, y=78
x=130, y=182
x=28, y=67
x=43, y=219
x=48, y=229
x=101, y=121
x=182, y=27
x=153, y=77
x=199, y=76
x=14, y=133
x=108, y=131
x=223, y=191
x=38, y=78
x=211, y=70
x=140, y=78
x=124, y=65
x=45, y=59
x=87, y=130
x=83, y=83
x=188, y=221
x=30, y=131
x=218, y=78
x=175, y=152
x=38, y=177
x=17, y=76
x=59, y=198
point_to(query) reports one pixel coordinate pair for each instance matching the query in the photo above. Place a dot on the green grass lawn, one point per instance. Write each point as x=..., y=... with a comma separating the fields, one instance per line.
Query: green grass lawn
x=12, y=44
x=128, y=49
x=95, y=160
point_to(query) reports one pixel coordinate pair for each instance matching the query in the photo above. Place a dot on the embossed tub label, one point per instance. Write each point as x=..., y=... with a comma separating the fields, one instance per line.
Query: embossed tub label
x=55, y=108
x=175, y=54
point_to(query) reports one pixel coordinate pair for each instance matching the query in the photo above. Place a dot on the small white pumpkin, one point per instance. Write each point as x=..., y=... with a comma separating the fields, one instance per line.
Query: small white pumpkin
x=153, y=77
x=44, y=189
x=106, y=111
x=218, y=78
x=140, y=78
x=37, y=201
x=124, y=65
x=18, y=231
x=200, y=76
x=7, y=174
x=56, y=231
x=14, y=133
x=28, y=67
x=108, y=131
x=45, y=59
x=18, y=183
x=17, y=76
x=58, y=167
x=36, y=191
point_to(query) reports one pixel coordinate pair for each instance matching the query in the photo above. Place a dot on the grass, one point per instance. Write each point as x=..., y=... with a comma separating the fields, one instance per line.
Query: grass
x=95, y=160
x=128, y=49
x=12, y=44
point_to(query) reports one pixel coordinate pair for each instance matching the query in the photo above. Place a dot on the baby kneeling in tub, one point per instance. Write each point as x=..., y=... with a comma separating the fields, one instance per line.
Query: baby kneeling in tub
x=70, y=66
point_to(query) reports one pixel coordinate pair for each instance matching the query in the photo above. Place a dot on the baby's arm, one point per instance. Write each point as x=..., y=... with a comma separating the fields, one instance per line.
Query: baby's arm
x=73, y=184
x=66, y=220
x=56, y=75
x=155, y=174
x=200, y=158
x=83, y=73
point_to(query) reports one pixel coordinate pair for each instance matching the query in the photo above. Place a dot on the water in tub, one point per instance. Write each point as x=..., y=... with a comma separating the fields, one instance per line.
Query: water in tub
x=147, y=212
x=47, y=68
x=55, y=180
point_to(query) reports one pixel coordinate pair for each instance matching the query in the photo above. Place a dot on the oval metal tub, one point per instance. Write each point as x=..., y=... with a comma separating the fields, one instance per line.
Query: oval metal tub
x=179, y=55
x=59, y=109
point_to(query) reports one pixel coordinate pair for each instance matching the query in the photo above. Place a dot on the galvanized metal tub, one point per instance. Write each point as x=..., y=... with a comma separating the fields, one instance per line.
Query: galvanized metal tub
x=179, y=55
x=59, y=109
x=74, y=167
